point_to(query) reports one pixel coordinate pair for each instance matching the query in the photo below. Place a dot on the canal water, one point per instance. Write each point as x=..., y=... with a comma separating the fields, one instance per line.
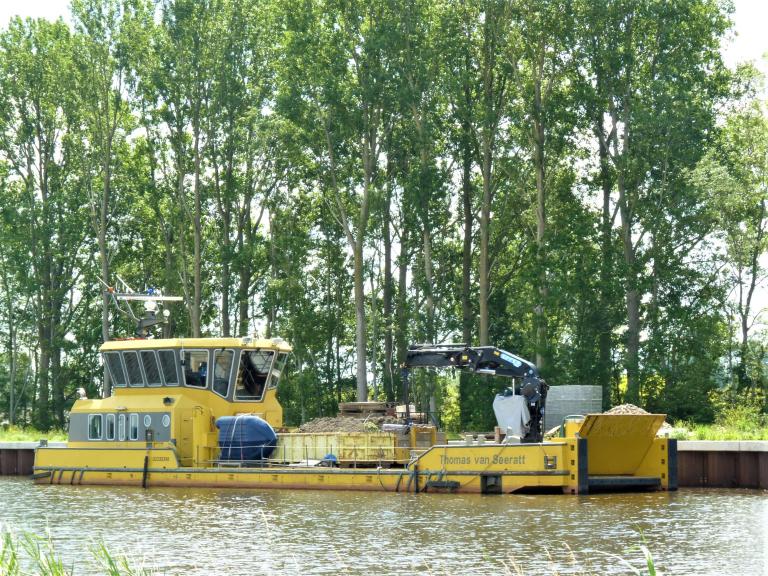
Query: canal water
x=276, y=532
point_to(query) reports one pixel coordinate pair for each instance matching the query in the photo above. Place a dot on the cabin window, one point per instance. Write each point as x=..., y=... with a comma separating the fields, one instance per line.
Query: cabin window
x=116, y=370
x=196, y=368
x=222, y=362
x=168, y=365
x=252, y=374
x=110, y=431
x=121, y=427
x=94, y=426
x=133, y=427
x=132, y=367
x=277, y=370
x=151, y=368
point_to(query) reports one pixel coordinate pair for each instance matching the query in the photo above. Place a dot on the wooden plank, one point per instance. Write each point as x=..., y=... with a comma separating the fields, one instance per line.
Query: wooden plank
x=363, y=407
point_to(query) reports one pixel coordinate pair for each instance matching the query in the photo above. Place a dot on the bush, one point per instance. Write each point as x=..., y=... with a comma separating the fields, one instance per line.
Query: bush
x=740, y=412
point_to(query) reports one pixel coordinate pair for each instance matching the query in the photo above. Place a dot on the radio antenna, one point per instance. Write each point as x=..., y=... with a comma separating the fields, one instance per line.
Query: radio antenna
x=153, y=300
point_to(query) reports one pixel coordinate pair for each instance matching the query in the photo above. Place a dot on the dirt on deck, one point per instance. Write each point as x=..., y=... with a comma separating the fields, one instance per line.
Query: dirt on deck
x=347, y=424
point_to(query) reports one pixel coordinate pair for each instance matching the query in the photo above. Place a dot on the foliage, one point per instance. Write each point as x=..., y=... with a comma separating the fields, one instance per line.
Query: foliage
x=744, y=412
x=17, y=434
x=581, y=183
x=737, y=416
x=693, y=431
x=450, y=413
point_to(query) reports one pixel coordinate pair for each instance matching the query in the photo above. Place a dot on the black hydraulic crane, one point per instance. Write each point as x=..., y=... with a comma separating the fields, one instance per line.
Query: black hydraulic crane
x=486, y=360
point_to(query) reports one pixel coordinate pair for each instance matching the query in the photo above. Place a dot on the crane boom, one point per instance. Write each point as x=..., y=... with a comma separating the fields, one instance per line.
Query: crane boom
x=486, y=360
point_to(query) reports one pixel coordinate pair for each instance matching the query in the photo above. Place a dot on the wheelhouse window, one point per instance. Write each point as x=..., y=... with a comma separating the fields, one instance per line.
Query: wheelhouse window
x=168, y=367
x=151, y=368
x=116, y=370
x=133, y=369
x=196, y=368
x=277, y=369
x=252, y=374
x=222, y=371
x=94, y=426
x=121, y=427
x=110, y=428
x=133, y=427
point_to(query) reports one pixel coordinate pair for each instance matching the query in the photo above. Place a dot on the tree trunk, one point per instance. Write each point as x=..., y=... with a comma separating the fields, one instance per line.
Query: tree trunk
x=467, y=317
x=485, y=223
x=57, y=383
x=10, y=346
x=606, y=275
x=242, y=297
x=225, y=209
x=361, y=326
x=632, y=297
x=401, y=310
x=356, y=239
x=198, y=233
x=745, y=310
x=104, y=256
x=429, y=309
x=389, y=389
x=42, y=405
x=541, y=229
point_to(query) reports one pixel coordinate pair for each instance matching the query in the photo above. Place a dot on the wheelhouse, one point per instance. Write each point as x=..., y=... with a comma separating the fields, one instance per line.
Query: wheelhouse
x=236, y=370
x=172, y=390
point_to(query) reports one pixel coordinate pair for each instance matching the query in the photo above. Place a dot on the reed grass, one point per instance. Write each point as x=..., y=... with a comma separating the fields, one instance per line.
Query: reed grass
x=26, y=554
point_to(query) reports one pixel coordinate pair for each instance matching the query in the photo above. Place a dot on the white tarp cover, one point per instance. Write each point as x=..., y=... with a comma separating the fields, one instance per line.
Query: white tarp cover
x=512, y=414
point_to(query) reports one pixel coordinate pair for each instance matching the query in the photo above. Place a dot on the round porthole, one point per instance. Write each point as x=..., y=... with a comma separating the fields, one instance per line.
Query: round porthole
x=147, y=421
x=166, y=421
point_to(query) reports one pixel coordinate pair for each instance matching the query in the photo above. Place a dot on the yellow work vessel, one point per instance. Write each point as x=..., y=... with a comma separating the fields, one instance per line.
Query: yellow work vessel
x=173, y=398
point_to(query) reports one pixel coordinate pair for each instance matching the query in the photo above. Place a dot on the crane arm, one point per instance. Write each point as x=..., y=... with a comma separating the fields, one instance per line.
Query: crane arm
x=480, y=359
x=486, y=360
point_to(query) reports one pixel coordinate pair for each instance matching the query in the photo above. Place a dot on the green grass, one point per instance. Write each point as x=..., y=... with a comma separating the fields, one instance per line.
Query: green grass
x=17, y=434
x=689, y=431
x=733, y=421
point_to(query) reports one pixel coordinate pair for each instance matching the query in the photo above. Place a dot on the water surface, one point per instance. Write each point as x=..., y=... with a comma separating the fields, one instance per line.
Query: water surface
x=276, y=532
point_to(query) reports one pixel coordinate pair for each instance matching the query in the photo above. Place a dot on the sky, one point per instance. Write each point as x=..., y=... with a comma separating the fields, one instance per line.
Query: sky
x=749, y=41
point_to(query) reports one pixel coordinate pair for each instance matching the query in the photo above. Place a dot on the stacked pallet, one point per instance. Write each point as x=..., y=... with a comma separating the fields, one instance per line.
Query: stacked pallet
x=364, y=408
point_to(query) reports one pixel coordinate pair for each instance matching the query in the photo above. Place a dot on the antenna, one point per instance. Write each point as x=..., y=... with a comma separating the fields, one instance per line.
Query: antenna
x=152, y=299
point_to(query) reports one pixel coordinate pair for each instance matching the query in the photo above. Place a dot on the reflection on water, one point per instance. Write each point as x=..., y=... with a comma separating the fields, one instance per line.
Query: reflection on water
x=219, y=531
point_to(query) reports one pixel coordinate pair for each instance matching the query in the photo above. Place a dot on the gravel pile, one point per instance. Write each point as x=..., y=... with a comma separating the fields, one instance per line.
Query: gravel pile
x=620, y=409
x=346, y=424
x=626, y=409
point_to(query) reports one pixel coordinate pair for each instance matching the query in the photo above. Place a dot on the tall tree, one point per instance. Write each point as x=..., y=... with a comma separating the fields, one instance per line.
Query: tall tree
x=344, y=89
x=494, y=32
x=733, y=177
x=546, y=63
x=660, y=79
x=101, y=57
x=39, y=139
